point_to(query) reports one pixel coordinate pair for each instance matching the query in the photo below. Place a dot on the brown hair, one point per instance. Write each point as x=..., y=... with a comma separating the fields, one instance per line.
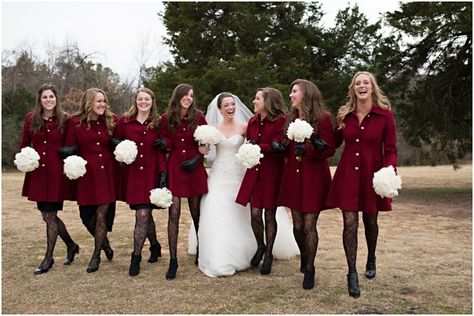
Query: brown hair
x=85, y=109
x=37, y=121
x=377, y=97
x=174, y=107
x=273, y=102
x=153, y=117
x=222, y=96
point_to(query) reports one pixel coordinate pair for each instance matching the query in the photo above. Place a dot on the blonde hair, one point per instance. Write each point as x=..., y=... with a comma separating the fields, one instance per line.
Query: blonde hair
x=153, y=117
x=85, y=109
x=377, y=98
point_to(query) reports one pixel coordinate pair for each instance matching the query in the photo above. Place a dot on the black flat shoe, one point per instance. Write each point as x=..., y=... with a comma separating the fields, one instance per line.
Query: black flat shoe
x=155, y=252
x=173, y=267
x=370, y=268
x=109, y=253
x=44, y=270
x=353, y=284
x=93, y=265
x=135, y=265
x=71, y=252
x=266, y=268
x=257, y=257
x=308, y=281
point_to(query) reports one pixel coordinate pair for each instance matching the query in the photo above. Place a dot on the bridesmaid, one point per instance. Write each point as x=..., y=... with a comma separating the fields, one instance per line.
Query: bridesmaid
x=148, y=171
x=89, y=134
x=187, y=177
x=43, y=130
x=367, y=127
x=306, y=181
x=261, y=183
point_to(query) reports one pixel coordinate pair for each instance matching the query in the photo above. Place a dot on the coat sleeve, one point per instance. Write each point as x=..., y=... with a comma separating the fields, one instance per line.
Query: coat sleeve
x=25, y=132
x=70, y=138
x=390, y=142
x=277, y=137
x=119, y=131
x=326, y=133
x=164, y=132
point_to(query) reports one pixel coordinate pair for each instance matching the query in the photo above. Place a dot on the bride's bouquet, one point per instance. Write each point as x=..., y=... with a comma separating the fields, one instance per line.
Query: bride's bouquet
x=249, y=155
x=126, y=151
x=386, y=183
x=207, y=134
x=27, y=159
x=161, y=197
x=74, y=167
x=299, y=131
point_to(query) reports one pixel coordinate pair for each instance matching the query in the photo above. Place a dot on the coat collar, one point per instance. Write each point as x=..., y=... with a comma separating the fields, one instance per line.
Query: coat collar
x=376, y=109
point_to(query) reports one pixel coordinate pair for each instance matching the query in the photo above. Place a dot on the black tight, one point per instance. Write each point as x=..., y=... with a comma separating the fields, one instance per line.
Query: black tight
x=142, y=229
x=270, y=228
x=349, y=236
x=306, y=235
x=100, y=232
x=173, y=221
x=54, y=227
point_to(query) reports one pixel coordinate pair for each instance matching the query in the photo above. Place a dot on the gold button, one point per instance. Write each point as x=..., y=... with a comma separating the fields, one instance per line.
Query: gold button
x=45, y=142
x=184, y=150
x=357, y=154
x=43, y=165
x=97, y=123
x=362, y=127
x=368, y=115
x=182, y=139
x=48, y=130
x=184, y=129
x=44, y=153
x=141, y=167
x=141, y=156
x=100, y=155
x=101, y=167
x=50, y=120
x=261, y=123
x=259, y=134
x=357, y=140
x=297, y=170
x=98, y=143
x=256, y=169
x=141, y=144
x=356, y=168
x=144, y=132
x=98, y=133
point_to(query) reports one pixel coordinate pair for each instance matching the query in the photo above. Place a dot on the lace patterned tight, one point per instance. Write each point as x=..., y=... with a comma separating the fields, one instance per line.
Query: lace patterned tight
x=270, y=228
x=100, y=232
x=306, y=235
x=143, y=218
x=349, y=236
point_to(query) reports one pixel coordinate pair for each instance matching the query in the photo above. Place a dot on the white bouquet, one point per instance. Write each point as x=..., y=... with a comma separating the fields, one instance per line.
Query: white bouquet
x=249, y=155
x=126, y=151
x=299, y=130
x=27, y=159
x=74, y=167
x=386, y=183
x=161, y=197
x=207, y=134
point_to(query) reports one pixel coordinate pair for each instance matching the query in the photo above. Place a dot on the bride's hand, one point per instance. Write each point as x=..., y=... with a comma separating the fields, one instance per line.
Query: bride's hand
x=204, y=149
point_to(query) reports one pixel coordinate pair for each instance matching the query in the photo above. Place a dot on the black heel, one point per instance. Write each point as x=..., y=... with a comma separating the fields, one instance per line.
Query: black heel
x=257, y=257
x=155, y=252
x=109, y=253
x=135, y=265
x=44, y=270
x=353, y=284
x=308, y=281
x=267, y=265
x=370, y=268
x=171, y=273
x=93, y=265
x=303, y=264
x=71, y=253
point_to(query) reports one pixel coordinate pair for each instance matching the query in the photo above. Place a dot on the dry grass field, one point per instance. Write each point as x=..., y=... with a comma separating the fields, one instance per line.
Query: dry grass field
x=424, y=261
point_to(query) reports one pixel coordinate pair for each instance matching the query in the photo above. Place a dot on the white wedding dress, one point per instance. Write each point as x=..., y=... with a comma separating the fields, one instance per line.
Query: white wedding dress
x=226, y=240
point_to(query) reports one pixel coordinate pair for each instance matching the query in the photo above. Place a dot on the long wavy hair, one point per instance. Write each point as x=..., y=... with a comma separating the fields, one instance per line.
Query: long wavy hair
x=273, y=102
x=312, y=104
x=174, y=107
x=85, y=109
x=378, y=98
x=37, y=121
x=153, y=117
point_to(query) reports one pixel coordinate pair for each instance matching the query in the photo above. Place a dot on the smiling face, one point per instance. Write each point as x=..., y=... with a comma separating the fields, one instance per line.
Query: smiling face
x=259, y=103
x=296, y=96
x=187, y=100
x=362, y=87
x=99, y=105
x=227, y=108
x=48, y=101
x=144, y=101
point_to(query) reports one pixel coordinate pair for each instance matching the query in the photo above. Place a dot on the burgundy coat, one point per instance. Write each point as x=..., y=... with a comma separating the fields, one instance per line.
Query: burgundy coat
x=261, y=183
x=306, y=183
x=97, y=186
x=47, y=183
x=140, y=176
x=182, y=146
x=367, y=148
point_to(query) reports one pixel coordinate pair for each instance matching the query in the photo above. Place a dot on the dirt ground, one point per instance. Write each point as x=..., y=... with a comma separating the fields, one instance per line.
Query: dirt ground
x=424, y=262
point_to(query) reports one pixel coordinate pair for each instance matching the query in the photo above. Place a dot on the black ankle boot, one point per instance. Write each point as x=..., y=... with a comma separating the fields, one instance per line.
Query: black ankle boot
x=308, y=281
x=171, y=273
x=93, y=264
x=71, y=252
x=135, y=265
x=303, y=263
x=353, y=284
x=44, y=270
x=109, y=253
x=267, y=265
x=370, y=268
x=155, y=253
x=257, y=257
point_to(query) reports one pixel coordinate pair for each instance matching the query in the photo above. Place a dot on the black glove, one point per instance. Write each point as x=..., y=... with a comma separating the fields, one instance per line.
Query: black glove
x=253, y=142
x=114, y=142
x=299, y=149
x=277, y=147
x=160, y=143
x=162, y=179
x=191, y=164
x=319, y=144
x=67, y=151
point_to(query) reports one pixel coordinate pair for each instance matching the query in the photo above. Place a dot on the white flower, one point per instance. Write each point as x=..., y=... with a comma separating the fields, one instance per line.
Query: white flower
x=74, y=167
x=126, y=151
x=161, y=197
x=299, y=130
x=27, y=159
x=249, y=155
x=207, y=134
x=386, y=183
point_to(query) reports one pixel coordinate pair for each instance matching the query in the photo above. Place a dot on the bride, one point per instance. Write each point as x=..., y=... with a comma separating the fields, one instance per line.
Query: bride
x=226, y=240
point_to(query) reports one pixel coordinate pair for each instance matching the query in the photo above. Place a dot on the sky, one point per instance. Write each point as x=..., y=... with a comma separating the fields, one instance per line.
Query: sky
x=115, y=32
